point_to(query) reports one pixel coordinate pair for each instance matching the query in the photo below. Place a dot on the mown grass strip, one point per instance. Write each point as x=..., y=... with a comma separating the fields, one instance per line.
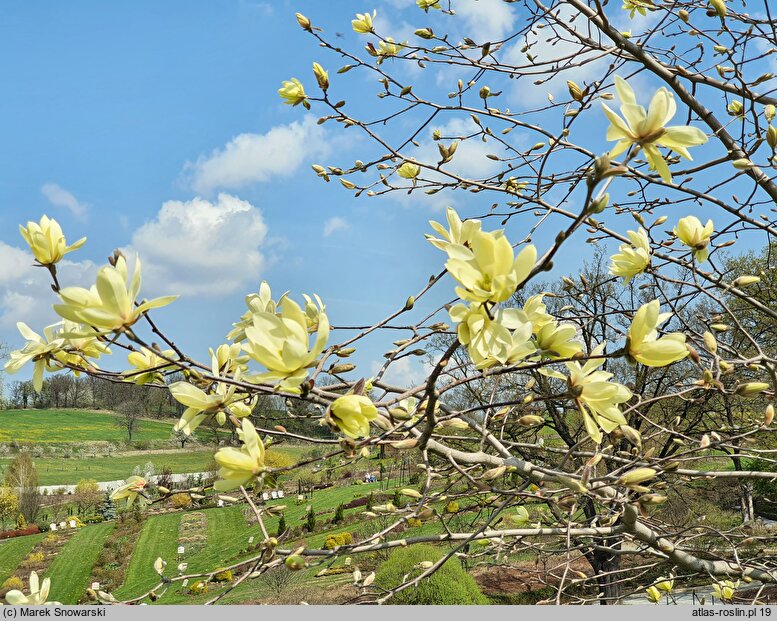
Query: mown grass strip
x=72, y=567
x=159, y=537
x=13, y=551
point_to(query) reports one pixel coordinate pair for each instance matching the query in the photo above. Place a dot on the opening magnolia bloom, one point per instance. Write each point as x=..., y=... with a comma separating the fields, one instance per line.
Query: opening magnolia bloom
x=647, y=130
x=352, y=414
x=633, y=258
x=505, y=339
x=363, y=22
x=239, y=467
x=595, y=395
x=697, y=237
x=637, y=6
x=460, y=232
x=201, y=405
x=148, y=365
x=38, y=593
x=47, y=241
x=292, y=92
x=131, y=490
x=643, y=343
x=109, y=304
x=281, y=342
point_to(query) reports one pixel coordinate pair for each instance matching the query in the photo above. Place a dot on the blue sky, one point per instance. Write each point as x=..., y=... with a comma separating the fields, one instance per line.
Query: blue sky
x=157, y=128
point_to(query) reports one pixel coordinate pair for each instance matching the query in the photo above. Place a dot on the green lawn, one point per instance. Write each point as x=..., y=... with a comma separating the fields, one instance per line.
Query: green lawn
x=159, y=537
x=57, y=471
x=13, y=551
x=72, y=567
x=62, y=426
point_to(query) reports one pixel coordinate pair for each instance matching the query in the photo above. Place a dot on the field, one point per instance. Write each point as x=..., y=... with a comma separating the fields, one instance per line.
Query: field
x=227, y=532
x=59, y=471
x=69, y=426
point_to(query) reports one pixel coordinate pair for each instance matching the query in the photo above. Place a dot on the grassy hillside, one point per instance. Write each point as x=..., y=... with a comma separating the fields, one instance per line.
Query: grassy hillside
x=64, y=426
x=59, y=471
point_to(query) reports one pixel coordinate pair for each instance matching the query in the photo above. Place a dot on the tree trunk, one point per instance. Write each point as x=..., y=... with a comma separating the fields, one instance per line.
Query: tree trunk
x=606, y=565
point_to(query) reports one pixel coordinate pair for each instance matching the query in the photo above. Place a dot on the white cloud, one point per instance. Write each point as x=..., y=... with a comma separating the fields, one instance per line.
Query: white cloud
x=253, y=158
x=60, y=197
x=199, y=247
x=335, y=224
x=405, y=372
x=25, y=290
x=486, y=20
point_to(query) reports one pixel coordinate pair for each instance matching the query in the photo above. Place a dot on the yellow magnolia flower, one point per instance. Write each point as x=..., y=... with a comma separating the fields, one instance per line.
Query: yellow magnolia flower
x=665, y=584
x=595, y=395
x=227, y=359
x=643, y=343
x=292, y=92
x=409, y=170
x=239, y=467
x=388, y=48
x=537, y=313
x=39, y=592
x=460, y=232
x=109, y=304
x=488, y=270
x=725, y=590
x=555, y=340
x=405, y=409
x=363, y=22
x=653, y=594
x=352, y=414
x=261, y=302
x=40, y=349
x=697, y=237
x=82, y=343
x=637, y=6
x=428, y=4
x=131, y=490
x=47, y=241
x=647, y=130
x=201, y=405
x=633, y=258
x=505, y=339
x=148, y=365
x=280, y=342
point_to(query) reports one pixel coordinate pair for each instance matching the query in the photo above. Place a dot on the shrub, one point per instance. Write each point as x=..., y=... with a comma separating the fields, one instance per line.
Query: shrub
x=450, y=585
x=281, y=525
x=414, y=522
x=30, y=530
x=310, y=520
x=73, y=518
x=338, y=517
x=21, y=523
x=223, y=576
x=340, y=539
x=181, y=501
x=452, y=507
x=13, y=583
x=198, y=587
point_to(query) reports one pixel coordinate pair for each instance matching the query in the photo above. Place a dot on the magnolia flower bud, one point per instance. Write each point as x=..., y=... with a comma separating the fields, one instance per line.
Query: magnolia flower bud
x=744, y=281
x=574, y=91
x=636, y=476
x=711, y=343
x=743, y=164
x=424, y=33
x=683, y=15
x=751, y=388
x=485, y=92
x=295, y=562
x=303, y=22
x=412, y=493
x=322, y=77
x=530, y=420
x=719, y=6
x=493, y=473
x=405, y=444
x=771, y=136
x=769, y=415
